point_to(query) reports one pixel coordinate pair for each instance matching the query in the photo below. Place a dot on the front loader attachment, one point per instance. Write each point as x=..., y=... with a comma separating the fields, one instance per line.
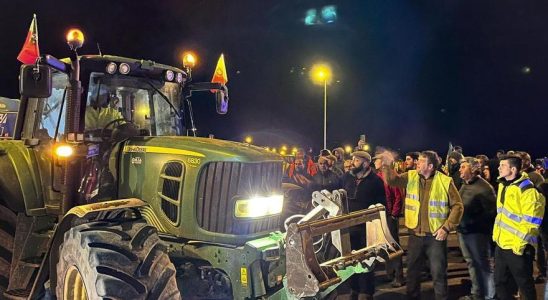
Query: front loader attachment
x=307, y=277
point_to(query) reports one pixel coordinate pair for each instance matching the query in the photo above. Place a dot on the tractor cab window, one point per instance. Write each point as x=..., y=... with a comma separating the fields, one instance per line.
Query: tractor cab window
x=49, y=113
x=113, y=100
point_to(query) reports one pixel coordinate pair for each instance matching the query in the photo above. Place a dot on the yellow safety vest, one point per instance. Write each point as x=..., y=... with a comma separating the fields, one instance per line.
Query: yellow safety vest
x=519, y=217
x=99, y=118
x=438, y=204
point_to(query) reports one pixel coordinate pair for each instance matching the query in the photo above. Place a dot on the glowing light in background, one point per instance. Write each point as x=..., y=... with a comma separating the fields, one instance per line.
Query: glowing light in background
x=348, y=149
x=328, y=15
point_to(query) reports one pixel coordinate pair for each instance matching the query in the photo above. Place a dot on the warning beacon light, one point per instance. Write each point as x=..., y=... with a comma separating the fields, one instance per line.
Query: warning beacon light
x=189, y=60
x=75, y=39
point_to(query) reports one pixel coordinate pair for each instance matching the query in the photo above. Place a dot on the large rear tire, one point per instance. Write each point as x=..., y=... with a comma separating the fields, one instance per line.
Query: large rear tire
x=114, y=260
x=8, y=219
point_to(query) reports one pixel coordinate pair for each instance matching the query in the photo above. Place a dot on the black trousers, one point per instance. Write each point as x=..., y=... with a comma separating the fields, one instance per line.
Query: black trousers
x=541, y=253
x=395, y=267
x=361, y=283
x=519, y=267
x=420, y=248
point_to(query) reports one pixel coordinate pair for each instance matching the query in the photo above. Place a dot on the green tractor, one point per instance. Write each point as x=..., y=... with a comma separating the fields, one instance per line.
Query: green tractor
x=102, y=197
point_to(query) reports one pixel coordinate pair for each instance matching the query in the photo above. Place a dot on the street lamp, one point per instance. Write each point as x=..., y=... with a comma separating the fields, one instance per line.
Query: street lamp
x=321, y=74
x=348, y=149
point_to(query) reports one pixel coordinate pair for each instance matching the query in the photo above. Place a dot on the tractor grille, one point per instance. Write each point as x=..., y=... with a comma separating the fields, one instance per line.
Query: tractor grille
x=171, y=181
x=222, y=183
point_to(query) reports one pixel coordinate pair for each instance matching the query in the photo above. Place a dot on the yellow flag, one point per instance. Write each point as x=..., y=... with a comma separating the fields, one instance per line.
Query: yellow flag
x=220, y=75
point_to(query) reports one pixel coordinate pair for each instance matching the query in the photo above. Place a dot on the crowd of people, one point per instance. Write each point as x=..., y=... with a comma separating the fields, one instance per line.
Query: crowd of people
x=495, y=205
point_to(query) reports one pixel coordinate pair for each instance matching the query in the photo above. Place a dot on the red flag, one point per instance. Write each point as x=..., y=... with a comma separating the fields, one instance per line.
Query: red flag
x=30, y=51
x=220, y=75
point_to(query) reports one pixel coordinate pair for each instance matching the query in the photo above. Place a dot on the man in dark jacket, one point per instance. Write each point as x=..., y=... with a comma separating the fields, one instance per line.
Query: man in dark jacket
x=528, y=168
x=325, y=179
x=475, y=228
x=364, y=188
x=453, y=166
x=537, y=179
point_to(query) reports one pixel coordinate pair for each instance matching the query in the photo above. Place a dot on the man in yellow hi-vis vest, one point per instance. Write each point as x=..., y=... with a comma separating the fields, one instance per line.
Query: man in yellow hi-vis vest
x=433, y=208
x=520, y=209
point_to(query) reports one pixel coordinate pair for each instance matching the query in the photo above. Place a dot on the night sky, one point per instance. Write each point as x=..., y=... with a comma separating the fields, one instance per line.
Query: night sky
x=411, y=75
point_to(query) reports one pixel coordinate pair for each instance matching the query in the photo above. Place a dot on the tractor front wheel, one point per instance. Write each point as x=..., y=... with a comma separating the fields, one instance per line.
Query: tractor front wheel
x=8, y=219
x=114, y=260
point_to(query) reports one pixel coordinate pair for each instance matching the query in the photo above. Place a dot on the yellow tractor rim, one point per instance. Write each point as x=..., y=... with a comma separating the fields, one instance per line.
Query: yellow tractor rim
x=74, y=288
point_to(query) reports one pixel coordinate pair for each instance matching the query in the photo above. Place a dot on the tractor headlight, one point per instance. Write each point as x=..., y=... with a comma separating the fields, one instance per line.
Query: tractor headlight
x=111, y=68
x=170, y=75
x=259, y=206
x=124, y=68
x=64, y=151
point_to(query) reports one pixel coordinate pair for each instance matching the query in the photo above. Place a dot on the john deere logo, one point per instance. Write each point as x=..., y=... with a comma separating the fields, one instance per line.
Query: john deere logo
x=3, y=106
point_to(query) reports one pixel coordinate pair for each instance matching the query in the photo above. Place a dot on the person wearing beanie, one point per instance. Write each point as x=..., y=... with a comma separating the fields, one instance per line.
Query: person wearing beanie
x=453, y=166
x=364, y=188
x=475, y=228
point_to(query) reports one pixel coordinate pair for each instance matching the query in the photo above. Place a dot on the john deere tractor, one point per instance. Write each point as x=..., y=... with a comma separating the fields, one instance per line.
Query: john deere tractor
x=103, y=197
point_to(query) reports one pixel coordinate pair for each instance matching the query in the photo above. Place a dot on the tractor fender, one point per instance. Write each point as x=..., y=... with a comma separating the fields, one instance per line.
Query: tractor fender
x=19, y=188
x=76, y=216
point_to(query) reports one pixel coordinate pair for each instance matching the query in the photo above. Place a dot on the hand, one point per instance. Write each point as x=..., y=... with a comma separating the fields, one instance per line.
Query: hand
x=441, y=234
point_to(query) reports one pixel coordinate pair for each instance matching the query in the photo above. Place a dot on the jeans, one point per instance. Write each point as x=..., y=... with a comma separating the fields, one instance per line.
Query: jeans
x=520, y=267
x=420, y=248
x=394, y=267
x=476, y=250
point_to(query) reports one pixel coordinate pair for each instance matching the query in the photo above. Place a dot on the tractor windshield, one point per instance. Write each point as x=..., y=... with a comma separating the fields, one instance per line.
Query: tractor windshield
x=115, y=99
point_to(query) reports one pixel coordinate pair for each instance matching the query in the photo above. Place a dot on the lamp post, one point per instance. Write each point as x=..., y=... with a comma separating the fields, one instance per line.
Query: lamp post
x=321, y=75
x=189, y=62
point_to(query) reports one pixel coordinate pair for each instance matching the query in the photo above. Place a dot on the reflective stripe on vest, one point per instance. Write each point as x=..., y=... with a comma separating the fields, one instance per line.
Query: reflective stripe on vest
x=516, y=218
x=527, y=238
x=525, y=183
x=410, y=207
x=411, y=196
x=438, y=204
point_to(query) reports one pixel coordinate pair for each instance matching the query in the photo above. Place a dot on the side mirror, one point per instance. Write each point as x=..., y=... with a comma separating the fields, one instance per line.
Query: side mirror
x=35, y=81
x=221, y=101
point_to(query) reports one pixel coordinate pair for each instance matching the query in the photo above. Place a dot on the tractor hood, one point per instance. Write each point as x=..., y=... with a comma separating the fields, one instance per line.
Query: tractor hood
x=205, y=148
x=193, y=186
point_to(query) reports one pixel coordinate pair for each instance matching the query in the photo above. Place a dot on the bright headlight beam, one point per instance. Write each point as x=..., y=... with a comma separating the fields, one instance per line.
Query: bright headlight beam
x=64, y=151
x=257, y=207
